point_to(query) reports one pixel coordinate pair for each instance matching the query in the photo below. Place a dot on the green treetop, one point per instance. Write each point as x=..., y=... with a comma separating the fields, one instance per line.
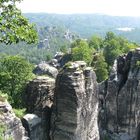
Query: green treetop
x=100, y=67
x=81, y=51
x=14, y=27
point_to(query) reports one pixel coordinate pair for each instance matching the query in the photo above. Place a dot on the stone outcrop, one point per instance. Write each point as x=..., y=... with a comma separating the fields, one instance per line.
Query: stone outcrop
x=33, y=125
x=75, y=108
x=39, y=94
x=38, y=101
x=60, y=59
x=120, y=98
x=10, y=126
x=45, y=69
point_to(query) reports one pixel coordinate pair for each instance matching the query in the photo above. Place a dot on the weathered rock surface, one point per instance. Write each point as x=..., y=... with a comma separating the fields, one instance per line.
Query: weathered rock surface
x=60, y=59
x=45, y=69
x=75, y=108
x=120, y=97
x=39, y=94
x=39, y=99
x=33, y=124
x=11, y=125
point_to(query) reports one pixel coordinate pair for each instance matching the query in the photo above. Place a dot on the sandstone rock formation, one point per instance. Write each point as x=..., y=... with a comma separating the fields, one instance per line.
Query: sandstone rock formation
x=39, y=94
x=11, y=126
x=45, y=69
x=33, y=124
x=75, y=108
x=120, y=98
x=39, y=99
x=60, y=59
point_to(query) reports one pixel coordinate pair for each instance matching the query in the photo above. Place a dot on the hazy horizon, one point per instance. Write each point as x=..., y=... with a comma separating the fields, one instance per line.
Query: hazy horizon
x=102, y=7
x=100, y=14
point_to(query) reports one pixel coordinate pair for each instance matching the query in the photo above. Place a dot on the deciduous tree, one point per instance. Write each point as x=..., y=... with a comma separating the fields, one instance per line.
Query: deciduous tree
x=15, y=71
x=81, y=51
x=14, y=27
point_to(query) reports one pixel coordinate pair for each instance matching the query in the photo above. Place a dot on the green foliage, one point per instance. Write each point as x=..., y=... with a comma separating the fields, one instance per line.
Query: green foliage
x=111, y=51
x=30, y=52
x=67, y=65
x=138, y=64
x=96, y=42
x=48, y=56
x=3, y=97
x=100, y=67
x=81, y=51
x=109, y=36
x=107, y=50
x=15, y=71
x=115, y=46
x=3, y=129
x=19, y=112
x=63, y=49
x=14, y=27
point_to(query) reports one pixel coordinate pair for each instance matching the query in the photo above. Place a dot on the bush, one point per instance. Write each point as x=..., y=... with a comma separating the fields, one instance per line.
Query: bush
x=19, y=112
x=3, y=97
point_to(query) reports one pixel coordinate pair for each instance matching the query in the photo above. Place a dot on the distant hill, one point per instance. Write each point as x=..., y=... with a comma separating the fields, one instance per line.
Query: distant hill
x=56, y=32
x=87, y=25
x=54, y=37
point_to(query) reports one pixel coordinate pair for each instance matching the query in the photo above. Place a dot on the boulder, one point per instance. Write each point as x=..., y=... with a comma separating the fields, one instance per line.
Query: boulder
x=32, y=124
x=45, y=69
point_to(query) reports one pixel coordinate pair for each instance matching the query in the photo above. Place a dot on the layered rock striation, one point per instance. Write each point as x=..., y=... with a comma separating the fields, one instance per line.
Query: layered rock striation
x=38, y=101
x=120, y=98
x=75, y=108
x=39, y=94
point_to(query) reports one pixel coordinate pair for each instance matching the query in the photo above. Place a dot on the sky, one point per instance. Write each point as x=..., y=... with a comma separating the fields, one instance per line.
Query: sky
x=109, y=7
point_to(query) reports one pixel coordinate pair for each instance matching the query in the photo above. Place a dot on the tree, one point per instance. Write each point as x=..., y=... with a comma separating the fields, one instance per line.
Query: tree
x=81, y=51
x=100, y=67
x=109, y=36
x=15, y=71
x=111, y=51
x=115, y=46
x=96, y=42
x=14, y=27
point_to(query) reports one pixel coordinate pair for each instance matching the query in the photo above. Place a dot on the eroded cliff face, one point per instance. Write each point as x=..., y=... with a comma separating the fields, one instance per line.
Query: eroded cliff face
x=75, y=108
x=10, y=126
x=120, y=98
x=38, y=101
x=39, y=94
